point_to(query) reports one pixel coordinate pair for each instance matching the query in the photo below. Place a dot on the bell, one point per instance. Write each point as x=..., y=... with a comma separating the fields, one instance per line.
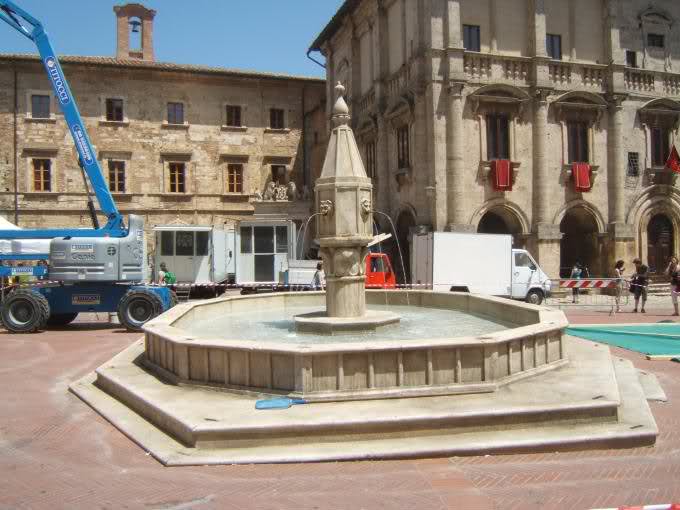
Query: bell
x=135, y=26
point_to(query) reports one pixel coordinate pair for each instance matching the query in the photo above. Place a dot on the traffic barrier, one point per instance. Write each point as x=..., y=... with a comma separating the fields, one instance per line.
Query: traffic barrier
x=591, y=292
x=601, y=283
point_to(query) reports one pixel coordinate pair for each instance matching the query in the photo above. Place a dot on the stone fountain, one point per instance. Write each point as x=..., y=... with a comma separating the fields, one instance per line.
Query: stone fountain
x=459, y=374
x=343, y=196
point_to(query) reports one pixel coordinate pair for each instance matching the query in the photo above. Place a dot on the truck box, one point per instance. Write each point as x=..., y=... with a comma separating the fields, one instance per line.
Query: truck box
x=477, y=263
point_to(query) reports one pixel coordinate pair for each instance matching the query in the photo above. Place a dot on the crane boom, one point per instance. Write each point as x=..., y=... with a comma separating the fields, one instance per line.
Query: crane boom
x=31, y=28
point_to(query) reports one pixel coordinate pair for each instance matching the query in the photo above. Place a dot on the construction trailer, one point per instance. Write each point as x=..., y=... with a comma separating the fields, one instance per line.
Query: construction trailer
x=197, y=255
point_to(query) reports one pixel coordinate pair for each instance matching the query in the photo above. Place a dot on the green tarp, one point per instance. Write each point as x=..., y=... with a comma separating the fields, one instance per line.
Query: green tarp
x=658, y=339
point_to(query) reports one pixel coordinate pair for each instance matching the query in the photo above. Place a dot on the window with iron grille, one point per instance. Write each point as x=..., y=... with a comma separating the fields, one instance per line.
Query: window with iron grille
x=114, y=110
x=655, y=40
x=553, y=46
x=235, y=178
x=633, y=164
x=234, y=116
x=177, y=174
x=370, y=159
x=276, y=118
x=577, y=139
x=175, y=113
x=403, y=155
x=117, y=176
x=42, y=175
x=40, y=106
x=497, y=137
x=471, y=39
x=631, y=58
x=660, y=145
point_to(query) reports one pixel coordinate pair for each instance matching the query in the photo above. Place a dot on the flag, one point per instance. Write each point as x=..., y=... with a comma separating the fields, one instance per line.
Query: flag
x=673, y=162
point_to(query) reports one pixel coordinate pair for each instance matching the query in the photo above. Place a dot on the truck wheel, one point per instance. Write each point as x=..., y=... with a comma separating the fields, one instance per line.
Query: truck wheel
x=138, y=307
x=534, y=297
x=25, y=311
x=61, y=319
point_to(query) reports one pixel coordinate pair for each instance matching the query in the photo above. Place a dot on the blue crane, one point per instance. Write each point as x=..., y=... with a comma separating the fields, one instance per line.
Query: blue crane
x=96, y=269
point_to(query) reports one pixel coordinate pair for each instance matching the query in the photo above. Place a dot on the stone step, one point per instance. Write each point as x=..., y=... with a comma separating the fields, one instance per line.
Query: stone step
x=339, y=422
x=592, y=403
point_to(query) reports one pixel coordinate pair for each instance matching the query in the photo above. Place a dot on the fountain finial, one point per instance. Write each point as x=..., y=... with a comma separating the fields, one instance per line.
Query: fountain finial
x=340, y=110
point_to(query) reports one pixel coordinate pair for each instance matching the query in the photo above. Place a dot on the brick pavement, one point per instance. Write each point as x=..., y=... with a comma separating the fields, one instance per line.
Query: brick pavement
x=55, y=452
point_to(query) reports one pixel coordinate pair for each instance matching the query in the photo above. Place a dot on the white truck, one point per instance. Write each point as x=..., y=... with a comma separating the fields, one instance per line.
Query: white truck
x=479, y=264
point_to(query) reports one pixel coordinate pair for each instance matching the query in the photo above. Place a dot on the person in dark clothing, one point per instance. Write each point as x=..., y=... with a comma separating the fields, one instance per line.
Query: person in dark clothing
x=638, y=284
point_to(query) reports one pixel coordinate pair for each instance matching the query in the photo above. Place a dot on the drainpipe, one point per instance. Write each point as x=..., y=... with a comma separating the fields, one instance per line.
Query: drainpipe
x=305, y=174
x=314, y=60
x=16, y=166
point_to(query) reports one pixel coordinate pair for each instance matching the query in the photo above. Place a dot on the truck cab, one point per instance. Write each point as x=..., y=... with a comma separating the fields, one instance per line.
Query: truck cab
x=379, y=272
x=529, y=282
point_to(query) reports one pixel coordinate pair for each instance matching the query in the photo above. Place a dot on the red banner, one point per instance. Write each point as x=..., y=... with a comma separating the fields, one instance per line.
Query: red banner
x=673, y=162
x=581, y=174
x=502, y=175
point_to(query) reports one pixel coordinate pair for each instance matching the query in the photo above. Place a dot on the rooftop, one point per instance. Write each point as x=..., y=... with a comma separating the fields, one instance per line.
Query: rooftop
x=158, y=66
x=334, y=24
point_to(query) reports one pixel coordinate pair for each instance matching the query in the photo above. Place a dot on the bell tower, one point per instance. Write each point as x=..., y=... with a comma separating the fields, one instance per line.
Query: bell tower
x=134, y=32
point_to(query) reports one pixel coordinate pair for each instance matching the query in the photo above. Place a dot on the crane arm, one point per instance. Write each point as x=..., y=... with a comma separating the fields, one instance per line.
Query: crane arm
x=31, y=28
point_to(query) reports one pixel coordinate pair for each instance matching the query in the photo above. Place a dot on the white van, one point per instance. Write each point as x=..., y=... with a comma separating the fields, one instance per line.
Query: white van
x=477, y=263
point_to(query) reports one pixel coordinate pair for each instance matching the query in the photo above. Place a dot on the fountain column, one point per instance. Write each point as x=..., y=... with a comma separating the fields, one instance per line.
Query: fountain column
x=343, y=196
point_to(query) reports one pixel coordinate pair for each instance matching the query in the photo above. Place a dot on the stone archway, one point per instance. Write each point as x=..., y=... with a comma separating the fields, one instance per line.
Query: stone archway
x=660, y=242
x=580, y=242
x=502, y=221
x=406, y=221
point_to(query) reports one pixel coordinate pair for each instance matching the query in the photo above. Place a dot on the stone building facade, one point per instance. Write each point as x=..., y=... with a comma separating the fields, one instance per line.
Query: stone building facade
x=447, y=96
x=178, y=144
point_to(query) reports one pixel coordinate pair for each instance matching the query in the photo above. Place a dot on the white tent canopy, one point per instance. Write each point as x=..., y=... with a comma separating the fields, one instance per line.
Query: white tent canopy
x=21, y=246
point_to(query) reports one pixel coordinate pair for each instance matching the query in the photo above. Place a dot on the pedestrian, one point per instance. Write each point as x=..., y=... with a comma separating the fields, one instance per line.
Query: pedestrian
x=618, y=275
x=576, y=272
x=165, y=276
x=317, y=279
x=638, y=285
x=674, y=277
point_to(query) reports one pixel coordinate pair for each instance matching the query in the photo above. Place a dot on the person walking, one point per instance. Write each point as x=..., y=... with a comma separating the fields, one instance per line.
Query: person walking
x=576, y=272
x=674, y=278
x=317, y=279
x=618, y=275
x=638, y=284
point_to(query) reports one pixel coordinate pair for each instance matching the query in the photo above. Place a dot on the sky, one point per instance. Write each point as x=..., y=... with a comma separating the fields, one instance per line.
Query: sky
x=262, y=35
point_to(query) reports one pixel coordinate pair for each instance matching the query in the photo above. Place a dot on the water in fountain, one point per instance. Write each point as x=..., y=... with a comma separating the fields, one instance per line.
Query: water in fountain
x=275, y=324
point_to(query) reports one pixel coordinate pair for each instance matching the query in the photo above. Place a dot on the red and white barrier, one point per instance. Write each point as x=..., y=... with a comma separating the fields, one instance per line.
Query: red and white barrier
x=589, y=284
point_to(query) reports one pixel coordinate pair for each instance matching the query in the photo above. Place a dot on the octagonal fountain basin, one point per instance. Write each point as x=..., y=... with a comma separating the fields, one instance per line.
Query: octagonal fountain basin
x=446, y=343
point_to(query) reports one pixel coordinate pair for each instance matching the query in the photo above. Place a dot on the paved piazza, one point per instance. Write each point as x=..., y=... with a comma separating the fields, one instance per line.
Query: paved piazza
x=57, y=452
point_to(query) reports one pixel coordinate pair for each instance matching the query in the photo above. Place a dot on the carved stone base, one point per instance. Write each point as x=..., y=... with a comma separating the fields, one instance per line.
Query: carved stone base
x=320, y=323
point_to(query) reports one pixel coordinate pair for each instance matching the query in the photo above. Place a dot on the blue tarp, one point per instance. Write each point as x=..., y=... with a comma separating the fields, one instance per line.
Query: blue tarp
x=657, y=339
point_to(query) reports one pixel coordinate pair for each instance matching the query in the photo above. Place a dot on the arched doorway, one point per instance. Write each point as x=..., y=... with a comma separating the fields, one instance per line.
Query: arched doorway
x=501, y=221
x=579, y=242
x=405, y=223
x=659, y=242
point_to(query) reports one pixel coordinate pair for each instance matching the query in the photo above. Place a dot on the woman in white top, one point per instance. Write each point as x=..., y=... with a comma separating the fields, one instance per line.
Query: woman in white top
x=618, y=274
